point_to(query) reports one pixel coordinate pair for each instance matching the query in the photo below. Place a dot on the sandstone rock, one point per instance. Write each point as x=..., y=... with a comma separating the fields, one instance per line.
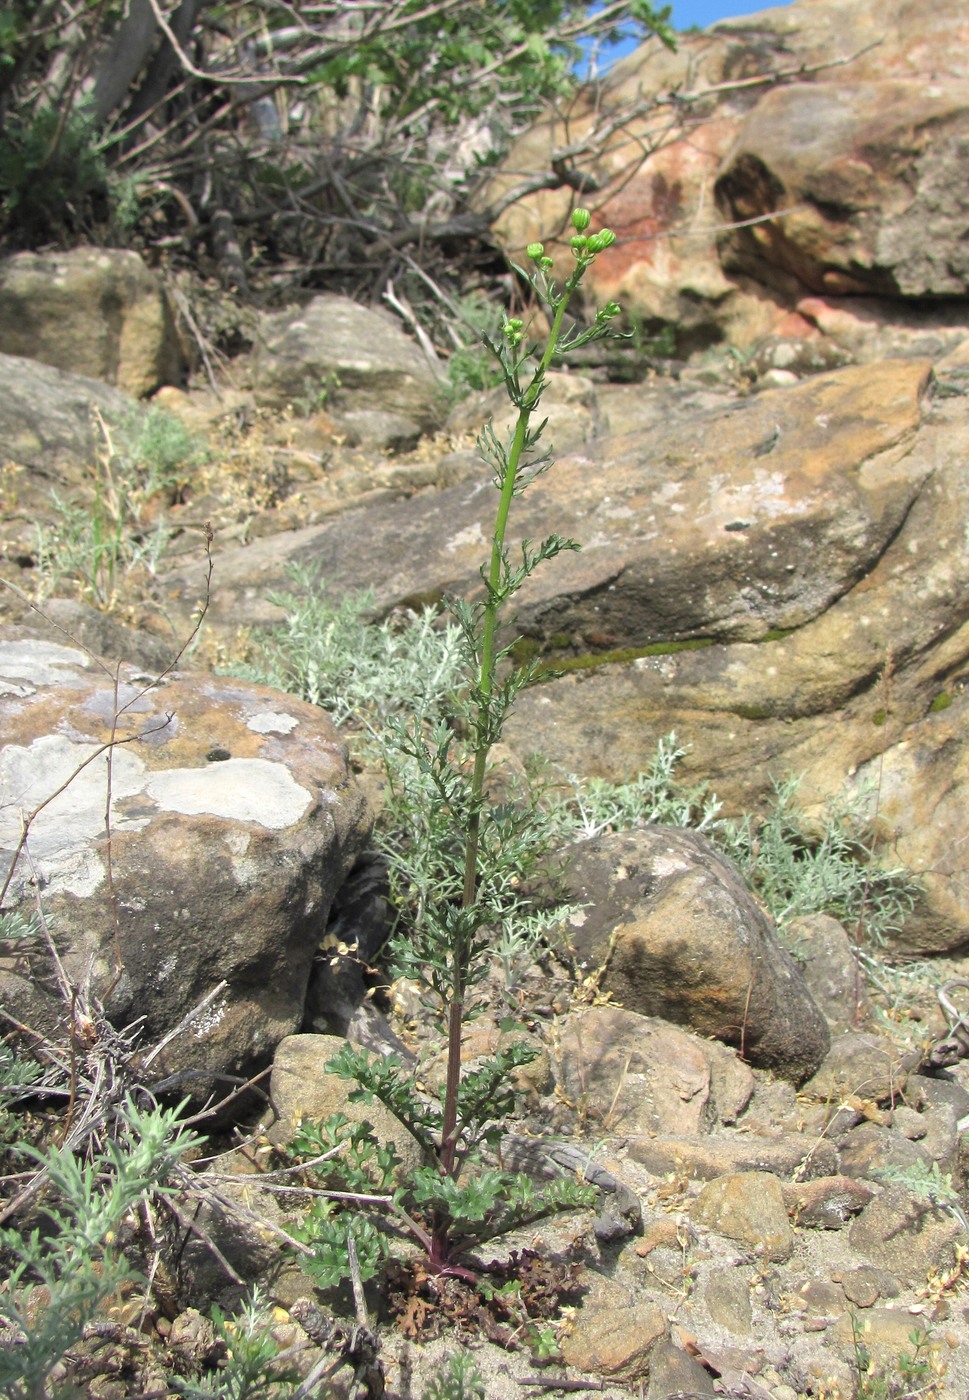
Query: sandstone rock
x=881, y=635
x=360, y=360
x=917, y=793
x=98, y=312
x=675, y=281
x=871, y=1148
x=905, y=1234
x=704, y=1159
x=726, y=1294
x=821, y=1301
x=673, y=1372
x=752, y=518
x=886, y=1333
x=865, y=1285
x=827, y=1202
x=234, y=821
x=942, y=1104
x=637, y=1076
x=748, y=1207
x=814, y=702
x=831, y=970
x=302, y=1088
x=615, y=1342
x=859, y=1065
x=880, y=92
x=873, y=203
x=877, y=328
x=681, y=937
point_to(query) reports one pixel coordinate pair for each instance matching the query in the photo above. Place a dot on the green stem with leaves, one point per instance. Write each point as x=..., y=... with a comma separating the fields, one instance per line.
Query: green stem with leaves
x=501, y=582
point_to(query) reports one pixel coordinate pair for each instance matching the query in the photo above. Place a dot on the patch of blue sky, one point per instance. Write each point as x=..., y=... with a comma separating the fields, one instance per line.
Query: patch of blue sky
x=688, y=14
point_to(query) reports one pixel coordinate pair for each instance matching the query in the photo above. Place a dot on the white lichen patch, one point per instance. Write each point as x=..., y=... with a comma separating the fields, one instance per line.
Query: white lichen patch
x=207, y=1020
x=241, y=789
x=669, y=864
x=49, y=771
x=269, y=722
x=165, y=968
x=28, y=664
x=472, y=535
x=66, y=784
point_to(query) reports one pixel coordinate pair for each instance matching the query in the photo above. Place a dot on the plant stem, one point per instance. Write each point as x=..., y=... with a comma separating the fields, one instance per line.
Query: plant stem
x=482, y=725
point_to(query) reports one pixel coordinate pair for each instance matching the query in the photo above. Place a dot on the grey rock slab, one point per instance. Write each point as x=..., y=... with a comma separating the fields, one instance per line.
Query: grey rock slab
x=47, y=418
x=354, y=358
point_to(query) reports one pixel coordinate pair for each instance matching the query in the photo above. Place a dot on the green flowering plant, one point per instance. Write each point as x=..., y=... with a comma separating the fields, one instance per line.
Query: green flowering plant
x=453, y=1202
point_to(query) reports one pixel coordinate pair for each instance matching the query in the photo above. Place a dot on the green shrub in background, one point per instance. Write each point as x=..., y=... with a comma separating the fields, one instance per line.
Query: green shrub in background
x=52, y=171
x=825, y=866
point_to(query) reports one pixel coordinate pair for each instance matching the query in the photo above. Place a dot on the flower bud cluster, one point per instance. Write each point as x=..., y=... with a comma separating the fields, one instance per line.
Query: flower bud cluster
x=584, y=245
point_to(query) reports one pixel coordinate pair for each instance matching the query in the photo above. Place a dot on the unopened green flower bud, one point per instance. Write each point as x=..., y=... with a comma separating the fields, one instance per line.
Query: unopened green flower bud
x=611, y=308
x=535, y=251
x=603, y=239
x=579, y=243
x=581, y=218
x=546, y=264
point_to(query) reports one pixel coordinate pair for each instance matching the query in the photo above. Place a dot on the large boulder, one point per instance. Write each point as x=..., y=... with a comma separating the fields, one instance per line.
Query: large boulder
x=99, y=312
x=917, y=793
x=675, y=932
x=746, y=519
x=815, y=148
x=233, y=823
x=874, y=201
x=782, y=579
x=371, y=378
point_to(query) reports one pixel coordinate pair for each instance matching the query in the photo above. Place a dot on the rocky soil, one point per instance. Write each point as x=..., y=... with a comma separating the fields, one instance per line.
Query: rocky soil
x=774, y=527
